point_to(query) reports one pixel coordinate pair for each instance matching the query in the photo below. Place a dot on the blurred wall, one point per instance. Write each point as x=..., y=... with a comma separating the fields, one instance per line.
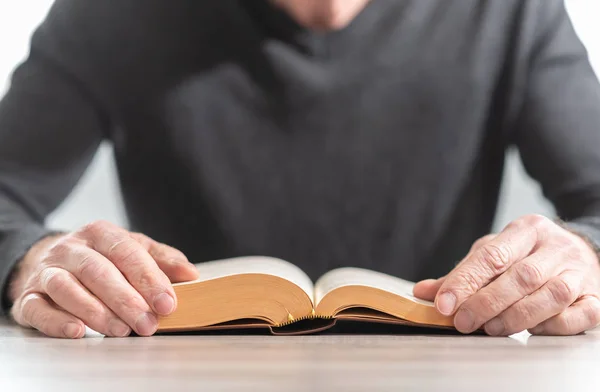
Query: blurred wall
x=97, y=196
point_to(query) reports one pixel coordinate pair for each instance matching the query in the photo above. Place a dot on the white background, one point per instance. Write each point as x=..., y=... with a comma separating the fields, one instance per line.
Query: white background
x=97, y=196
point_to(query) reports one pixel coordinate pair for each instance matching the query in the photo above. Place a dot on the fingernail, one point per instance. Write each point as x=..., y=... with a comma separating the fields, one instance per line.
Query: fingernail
x=446, y=303
x=163, y=303
x=494, y=327
x=464, y=321
x=71, y=330
x=146, y=324
x=118, y=328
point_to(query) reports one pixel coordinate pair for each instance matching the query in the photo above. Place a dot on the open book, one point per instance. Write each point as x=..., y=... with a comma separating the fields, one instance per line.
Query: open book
x=255, y=292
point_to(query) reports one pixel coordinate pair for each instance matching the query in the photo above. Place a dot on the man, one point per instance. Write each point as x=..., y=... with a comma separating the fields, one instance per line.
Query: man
x=324, y=132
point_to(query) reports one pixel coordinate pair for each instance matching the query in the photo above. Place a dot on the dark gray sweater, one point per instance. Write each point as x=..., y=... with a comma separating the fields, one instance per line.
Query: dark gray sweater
x=237, y=132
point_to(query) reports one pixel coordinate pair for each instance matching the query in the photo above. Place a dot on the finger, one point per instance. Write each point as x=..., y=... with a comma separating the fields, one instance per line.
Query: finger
x=579, y=317
x=480, y=242
x=427, y=289
x=68, y=293
x=37, y=312
x=135, y=263
x=177, y=271
x=105, y=281
x=521, y=279
x=551, y=299
x=170, y=260
x=513, y=244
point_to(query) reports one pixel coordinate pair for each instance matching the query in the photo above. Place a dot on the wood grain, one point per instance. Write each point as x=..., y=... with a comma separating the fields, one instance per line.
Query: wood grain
x=345, y=362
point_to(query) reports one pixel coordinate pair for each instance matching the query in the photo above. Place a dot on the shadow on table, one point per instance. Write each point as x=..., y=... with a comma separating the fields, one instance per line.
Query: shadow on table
x=345, y=327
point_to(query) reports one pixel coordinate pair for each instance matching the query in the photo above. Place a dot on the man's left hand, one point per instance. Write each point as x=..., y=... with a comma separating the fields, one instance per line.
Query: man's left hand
x=534, y=275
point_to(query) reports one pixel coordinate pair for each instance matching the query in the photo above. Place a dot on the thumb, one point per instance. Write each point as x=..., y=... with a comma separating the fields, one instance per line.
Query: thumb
x=428, y=288
x=170, y=260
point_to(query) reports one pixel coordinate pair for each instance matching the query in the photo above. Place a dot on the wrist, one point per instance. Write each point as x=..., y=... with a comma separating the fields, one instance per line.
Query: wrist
x=25, y=267
x=581, y=231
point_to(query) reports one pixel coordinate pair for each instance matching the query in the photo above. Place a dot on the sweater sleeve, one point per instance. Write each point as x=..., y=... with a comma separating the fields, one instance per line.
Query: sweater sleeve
x=49, y=132
x=558, y=129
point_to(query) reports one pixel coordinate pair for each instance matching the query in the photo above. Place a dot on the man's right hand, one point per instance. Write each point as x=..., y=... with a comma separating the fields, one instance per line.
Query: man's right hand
x=101, y=276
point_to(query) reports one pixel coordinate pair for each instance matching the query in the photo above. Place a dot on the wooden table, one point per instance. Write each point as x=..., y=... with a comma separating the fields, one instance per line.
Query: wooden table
x=344, y=362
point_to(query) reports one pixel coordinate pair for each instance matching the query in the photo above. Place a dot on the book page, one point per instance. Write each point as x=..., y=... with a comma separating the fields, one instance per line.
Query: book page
x=256, y=265
x=362, y=277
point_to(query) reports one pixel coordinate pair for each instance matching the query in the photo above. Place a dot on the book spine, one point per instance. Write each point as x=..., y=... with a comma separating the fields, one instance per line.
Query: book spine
x=310, y=316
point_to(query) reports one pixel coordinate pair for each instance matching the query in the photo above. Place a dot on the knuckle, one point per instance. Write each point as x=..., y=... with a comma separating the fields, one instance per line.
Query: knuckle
x=562, y=242
x=147, y=280
x=482, y=241
x=477, y=244
x=61, y=249
x=167, y=254
x=490, y=303
x=519, y=223
x=537, y=221
x=95, y=228
x=124, y=252
x=522, y=318
x=129, y=304
x=173, y=253
x=529, y=276
x=470, y=282
x=495, y=257
x=93, y=314
x=91, y=270
x=141, y=238
x=159, y=253
x=572, y=251
x=562, y=291
x=138, y=236
x=487, y=238
x=53, y=280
